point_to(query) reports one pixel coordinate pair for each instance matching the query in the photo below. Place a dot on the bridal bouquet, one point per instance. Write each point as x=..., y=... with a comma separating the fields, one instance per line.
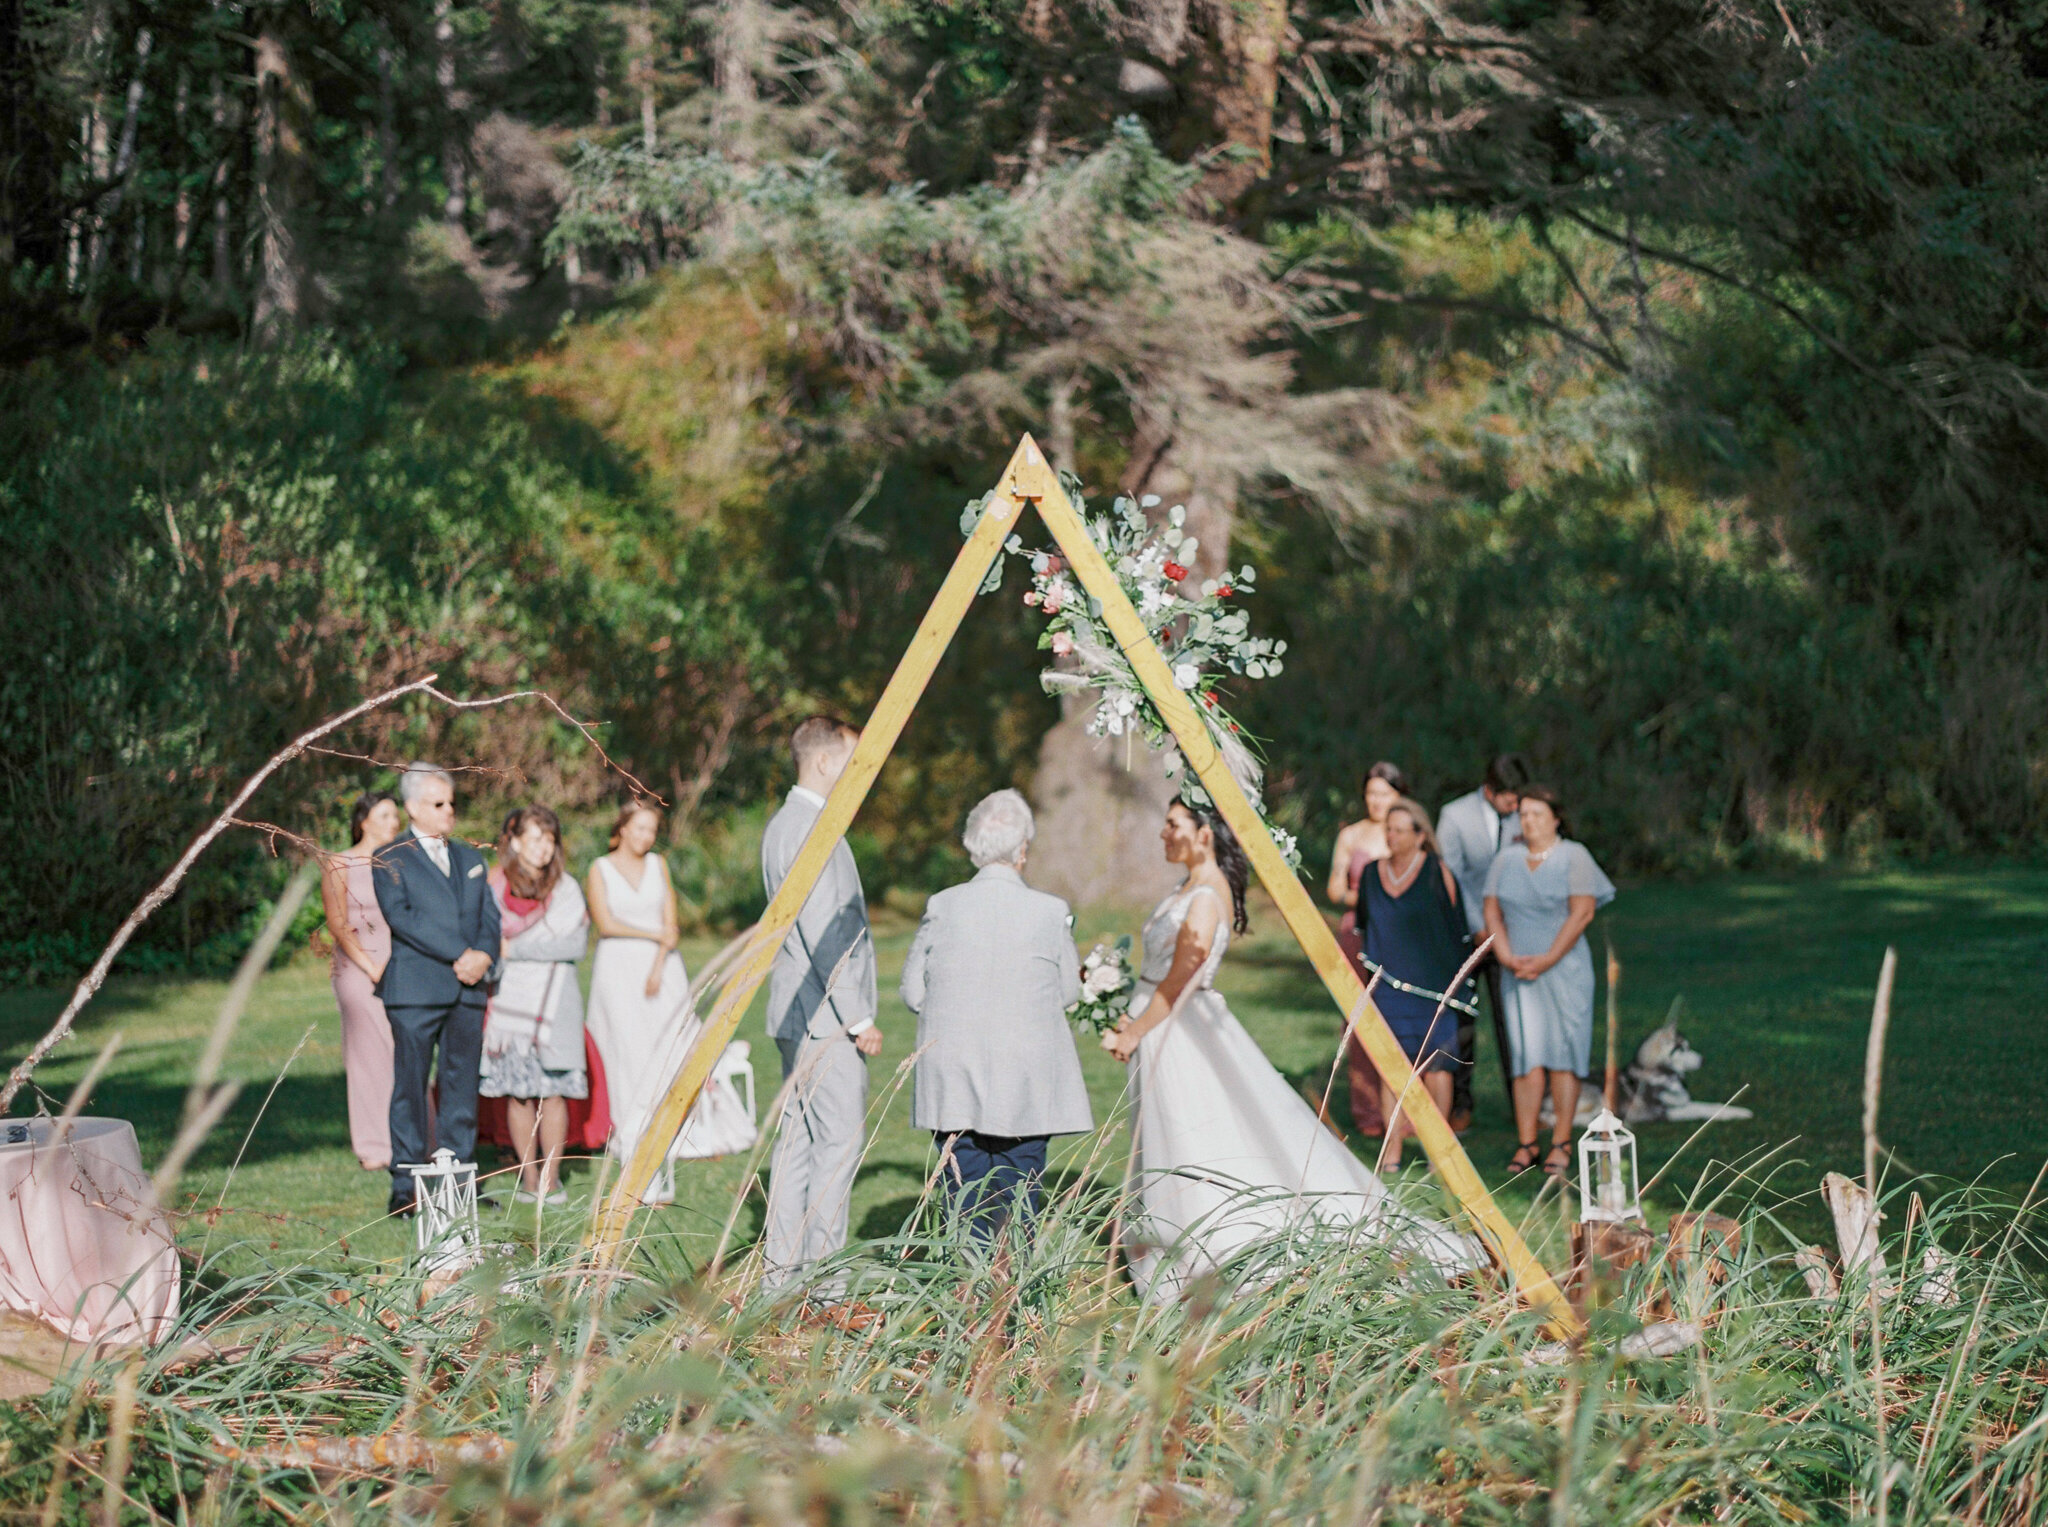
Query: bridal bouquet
x=1106, y=983
x=1204, y=637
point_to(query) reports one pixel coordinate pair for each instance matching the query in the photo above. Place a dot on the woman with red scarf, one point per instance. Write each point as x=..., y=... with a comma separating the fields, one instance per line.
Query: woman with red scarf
x=533, y=1038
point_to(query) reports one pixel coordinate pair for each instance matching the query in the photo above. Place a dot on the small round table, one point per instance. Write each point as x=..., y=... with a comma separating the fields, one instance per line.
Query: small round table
x=84, y=1246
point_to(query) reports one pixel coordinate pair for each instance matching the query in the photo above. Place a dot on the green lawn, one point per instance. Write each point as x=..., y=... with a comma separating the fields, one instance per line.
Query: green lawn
x=1776, y=974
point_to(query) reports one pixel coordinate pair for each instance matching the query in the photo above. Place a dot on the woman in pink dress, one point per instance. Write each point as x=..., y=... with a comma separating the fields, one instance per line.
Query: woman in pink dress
x=1359, y=844
x=362, y=943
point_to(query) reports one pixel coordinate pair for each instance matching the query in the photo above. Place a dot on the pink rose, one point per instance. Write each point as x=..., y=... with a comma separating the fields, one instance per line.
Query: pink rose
x=1062, y=644
x=1032, y=597
x=1052, y=601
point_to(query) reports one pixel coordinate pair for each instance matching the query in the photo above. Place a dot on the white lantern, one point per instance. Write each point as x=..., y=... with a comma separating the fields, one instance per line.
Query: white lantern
x=1607, y=1183
x=445, y=1227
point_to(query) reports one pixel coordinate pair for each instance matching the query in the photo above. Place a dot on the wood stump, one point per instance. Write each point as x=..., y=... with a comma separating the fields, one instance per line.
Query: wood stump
x=1602, y=1251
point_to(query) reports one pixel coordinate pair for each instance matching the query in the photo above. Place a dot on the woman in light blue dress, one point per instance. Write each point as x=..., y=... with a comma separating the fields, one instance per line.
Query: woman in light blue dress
x=1541, y=894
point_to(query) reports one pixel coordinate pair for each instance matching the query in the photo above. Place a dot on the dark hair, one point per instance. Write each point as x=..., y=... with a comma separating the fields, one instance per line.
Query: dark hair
x=519, y=881
x=1230, y=858
x=1507, y=774
x=629, y=811
x=815, y=734
x=1553, y=800
x=361, y=814
x=1390, y=772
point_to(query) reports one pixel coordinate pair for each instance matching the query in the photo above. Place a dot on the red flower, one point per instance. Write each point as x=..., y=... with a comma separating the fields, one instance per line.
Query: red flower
x=1208, y=698
x=1225, y=592
x=1175, y=571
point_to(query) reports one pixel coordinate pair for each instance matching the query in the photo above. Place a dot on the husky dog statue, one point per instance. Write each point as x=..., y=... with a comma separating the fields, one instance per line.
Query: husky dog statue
x=1653, y=1087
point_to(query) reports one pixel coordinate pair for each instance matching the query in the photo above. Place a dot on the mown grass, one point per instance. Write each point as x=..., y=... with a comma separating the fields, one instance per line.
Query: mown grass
x=1325, y=1379
x=1776, y=974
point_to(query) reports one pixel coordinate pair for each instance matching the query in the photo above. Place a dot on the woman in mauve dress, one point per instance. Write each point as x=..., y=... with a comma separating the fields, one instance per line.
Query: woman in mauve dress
x=362, y=943
x=1358, y=844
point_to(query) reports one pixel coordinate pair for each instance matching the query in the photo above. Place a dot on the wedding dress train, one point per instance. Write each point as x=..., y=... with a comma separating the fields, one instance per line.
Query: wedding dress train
x=1228, y=1154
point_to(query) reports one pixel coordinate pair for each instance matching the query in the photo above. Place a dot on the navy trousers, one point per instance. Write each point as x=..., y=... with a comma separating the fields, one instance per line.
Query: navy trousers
x=457, y=1031
x=991, y=1175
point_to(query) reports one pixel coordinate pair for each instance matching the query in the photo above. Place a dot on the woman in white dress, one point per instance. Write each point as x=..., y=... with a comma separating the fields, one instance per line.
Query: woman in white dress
x=1228, y=1154
x=639, y=1005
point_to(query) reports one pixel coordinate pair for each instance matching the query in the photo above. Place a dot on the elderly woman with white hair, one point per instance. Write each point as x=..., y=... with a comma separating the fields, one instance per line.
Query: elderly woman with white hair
x=990, y=976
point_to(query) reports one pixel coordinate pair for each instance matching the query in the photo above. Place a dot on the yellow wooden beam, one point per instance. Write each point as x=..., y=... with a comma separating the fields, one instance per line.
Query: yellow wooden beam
x=1039, y=483
x=877, y=738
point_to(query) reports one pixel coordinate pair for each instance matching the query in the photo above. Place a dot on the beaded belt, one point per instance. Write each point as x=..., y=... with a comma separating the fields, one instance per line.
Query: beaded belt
x=1469, y=1009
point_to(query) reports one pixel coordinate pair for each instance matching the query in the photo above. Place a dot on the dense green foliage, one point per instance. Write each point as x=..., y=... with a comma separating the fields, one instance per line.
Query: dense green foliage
x=1659, y=392
x=208, y=552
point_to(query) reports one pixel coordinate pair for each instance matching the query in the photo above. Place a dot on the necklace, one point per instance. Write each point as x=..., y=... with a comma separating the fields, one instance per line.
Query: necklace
x=1536, y=858
x=1396, y=881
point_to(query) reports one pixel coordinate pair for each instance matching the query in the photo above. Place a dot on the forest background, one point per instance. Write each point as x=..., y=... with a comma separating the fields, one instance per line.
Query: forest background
x=1654, y=388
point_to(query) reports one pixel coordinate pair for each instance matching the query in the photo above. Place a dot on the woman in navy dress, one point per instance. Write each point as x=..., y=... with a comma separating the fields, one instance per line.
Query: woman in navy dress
x=1415, y=941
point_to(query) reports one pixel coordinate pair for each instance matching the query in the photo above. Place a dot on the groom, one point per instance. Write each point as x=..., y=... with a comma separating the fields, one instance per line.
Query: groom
x=990, y=976
x=821, y=1015
x=444, y=945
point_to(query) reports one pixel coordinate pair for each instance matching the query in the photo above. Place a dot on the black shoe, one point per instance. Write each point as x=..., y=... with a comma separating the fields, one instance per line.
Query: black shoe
x=488, y=1201
x=401, y=1205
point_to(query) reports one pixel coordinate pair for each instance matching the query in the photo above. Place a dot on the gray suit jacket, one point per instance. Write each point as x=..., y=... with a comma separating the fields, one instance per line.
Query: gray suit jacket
x=803, y=999
x=1465, y=833
x=990, y=976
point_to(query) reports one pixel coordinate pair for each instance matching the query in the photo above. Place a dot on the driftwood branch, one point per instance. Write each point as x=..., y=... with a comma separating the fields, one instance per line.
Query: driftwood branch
x=96, y=977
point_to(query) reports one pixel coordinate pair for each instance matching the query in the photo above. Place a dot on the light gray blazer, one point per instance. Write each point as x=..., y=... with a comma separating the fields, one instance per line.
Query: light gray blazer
x=834, y=920
x=990, y=976
x=1466, y=835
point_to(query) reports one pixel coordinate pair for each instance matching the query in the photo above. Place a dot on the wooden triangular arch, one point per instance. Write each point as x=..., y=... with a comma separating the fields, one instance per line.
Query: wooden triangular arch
x=1030, y=480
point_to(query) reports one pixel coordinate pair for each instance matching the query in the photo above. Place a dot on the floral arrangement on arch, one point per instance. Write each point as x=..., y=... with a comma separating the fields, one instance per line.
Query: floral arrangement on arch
x=1204, y=635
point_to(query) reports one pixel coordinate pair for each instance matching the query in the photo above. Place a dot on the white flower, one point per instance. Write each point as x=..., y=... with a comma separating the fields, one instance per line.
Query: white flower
x=1187, y=675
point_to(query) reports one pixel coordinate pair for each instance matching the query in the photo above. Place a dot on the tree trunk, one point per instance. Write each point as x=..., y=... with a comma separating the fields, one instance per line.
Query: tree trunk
x=122, y=169
x=1237, y=76
x=454, y=154
x=387, y=126
x=282, y=110
x=640, y=69
x=223, y=234
x=1038, y=27
x=1100, y=801
x=738, y=52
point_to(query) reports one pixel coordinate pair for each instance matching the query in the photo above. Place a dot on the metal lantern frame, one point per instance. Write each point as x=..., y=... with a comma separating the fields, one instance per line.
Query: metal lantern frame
x=446, y=1231
x=1608, y=1196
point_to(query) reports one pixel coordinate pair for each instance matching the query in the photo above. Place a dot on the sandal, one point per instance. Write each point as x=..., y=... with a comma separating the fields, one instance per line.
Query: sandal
x=1555, y=1168
x=1517, y=1164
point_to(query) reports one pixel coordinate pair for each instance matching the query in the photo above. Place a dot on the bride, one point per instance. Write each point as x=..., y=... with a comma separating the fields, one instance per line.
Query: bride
x=1228, y=1154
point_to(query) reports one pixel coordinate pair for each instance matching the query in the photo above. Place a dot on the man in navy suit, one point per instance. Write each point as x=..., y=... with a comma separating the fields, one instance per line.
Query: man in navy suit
x=444, y=946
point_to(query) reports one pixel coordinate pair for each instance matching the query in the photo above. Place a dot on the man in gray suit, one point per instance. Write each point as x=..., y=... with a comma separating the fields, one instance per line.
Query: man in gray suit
x=821, y=1015
x=444, y=949
x=1470, y=831
x=990, y=976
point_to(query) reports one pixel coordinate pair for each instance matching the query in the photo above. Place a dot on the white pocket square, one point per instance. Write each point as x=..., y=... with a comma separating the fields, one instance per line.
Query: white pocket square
x=475, y=870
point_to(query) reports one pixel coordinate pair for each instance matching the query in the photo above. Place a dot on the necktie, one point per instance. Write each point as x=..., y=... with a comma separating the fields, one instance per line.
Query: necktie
x=437, y=850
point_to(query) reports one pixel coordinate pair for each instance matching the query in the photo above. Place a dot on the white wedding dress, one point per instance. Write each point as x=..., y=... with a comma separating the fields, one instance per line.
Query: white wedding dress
x=1228, y=1154
x=644, y=1039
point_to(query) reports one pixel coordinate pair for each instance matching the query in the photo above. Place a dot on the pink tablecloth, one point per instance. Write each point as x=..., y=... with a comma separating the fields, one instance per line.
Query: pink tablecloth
x=83, y=1245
